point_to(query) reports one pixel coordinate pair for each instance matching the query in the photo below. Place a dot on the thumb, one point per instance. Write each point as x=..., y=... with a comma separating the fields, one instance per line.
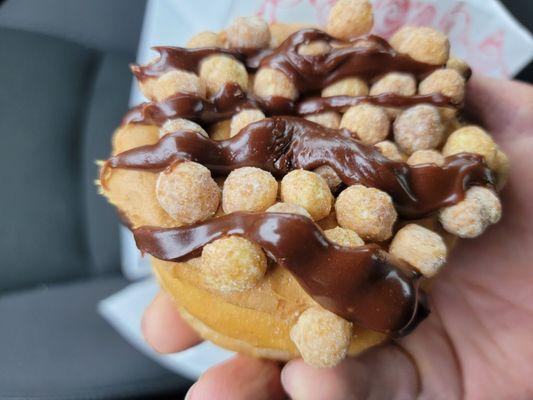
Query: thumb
x=381, y=373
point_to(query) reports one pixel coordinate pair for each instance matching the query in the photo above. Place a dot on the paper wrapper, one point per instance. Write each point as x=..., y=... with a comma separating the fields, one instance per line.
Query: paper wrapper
x=481, y=31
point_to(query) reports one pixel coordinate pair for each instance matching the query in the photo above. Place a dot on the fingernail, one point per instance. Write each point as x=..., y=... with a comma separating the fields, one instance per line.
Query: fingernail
x=286, y=382
x=188, y=396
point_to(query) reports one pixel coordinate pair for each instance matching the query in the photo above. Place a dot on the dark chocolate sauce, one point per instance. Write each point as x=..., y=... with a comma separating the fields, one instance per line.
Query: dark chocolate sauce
x=366, y=57
x=363, y=284
x=228, y=101
x=281, y=144
x=231, y=99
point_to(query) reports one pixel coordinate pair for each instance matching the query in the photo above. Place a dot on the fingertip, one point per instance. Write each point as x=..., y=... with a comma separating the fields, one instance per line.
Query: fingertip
x=239, y=378
x=164, y=329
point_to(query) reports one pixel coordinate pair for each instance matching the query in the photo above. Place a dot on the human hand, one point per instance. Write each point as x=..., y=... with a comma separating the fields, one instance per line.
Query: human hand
x=476, y=344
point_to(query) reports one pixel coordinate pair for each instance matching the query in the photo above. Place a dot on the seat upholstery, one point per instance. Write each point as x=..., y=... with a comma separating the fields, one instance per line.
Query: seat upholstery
x=54, y=345
x=59, y=103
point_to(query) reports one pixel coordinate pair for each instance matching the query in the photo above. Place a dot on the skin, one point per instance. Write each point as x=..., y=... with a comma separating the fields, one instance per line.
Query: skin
x=476, y=344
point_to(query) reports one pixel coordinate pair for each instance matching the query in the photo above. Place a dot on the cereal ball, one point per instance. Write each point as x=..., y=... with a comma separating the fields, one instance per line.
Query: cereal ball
x=470, y=217
x=220, y=130
x=420, y=247
x=218, y=70
x=418, y=128
x=233, y=264
x=460, y=66
x=249, y=189
x=350, y=18
x=181, y=124
x=367, y=211
x=501, y=169
x=344, y=237
x=422, y=44
x=323, y=338
x=472, y=139
x=346, y=87
x=308, y=190
x=446, y=81
x=279, y=32
x=289, y=208
x=367, y=122
x=391, y=151
x=271, y=82
x=248, y=33
x=426, y=157
x=329, y=119
x=244, y=118
x=187, y=192
x=395, y=82
x=170, y=83
x=315, y=48
x=205, y=39
x=330, y=176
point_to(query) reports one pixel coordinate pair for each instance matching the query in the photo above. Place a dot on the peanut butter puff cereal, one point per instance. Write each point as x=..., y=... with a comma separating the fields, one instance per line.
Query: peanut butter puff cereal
x=294, y=184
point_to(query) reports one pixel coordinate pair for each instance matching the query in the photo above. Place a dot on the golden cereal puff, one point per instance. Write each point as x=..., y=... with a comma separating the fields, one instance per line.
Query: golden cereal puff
x=350, y=18
x=271, y=82
x=187, y=192
x=422, y=44
x=309, y=190
x=248, y=33
x=217, y=70
x=249, y=189
x=367, y=211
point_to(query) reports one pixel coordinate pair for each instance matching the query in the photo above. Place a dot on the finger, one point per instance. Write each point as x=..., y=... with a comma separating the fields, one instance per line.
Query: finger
x=380, y=373
x=501, y=105
x=164, y=329
x=238, y=379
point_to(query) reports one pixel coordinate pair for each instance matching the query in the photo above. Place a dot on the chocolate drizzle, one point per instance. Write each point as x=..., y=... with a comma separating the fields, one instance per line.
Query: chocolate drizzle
x=231, y=99
x=281, y=144
x=366, y=57
x=363, y=284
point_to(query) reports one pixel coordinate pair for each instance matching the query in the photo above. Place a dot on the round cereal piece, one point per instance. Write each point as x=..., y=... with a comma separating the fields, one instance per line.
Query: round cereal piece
x=367, y=122
x=217, y=70
x=205, y=39
x=309, y=190
x=281, y=207
x=469, y=218
x=350, y=18
x=422, y=44
x=322, y=338
x=315, y=48
x=232, y=264
x=344, y=237
x=181, y=124
x=446, y=81
x=394, y=82
x=418, y=128
x=244, y=118
x=472, y=139
x=170, y=83
x=187, y=192
x=367, y=211
x=249, y=189
x=460, y=66
x=391, y=151
x=220, y=130
x=329, y=119
x=502, y=169
x=351, y=86
x=426, y=157
x=271, y=82
x=248, y=33
x=420, y=247
x=330, y=176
